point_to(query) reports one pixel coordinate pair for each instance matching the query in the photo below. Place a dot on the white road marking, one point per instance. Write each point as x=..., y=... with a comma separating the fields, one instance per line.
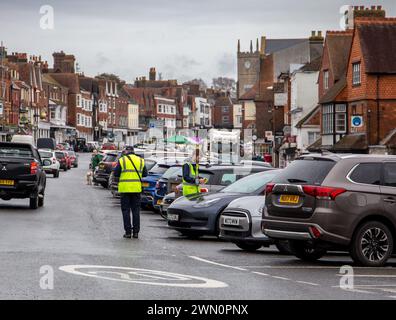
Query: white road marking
x=355, y=290
x=142, y=276
x=309, y=283
x=309, y=267
x=372, y=275
x=218, y=264
x=261, y=274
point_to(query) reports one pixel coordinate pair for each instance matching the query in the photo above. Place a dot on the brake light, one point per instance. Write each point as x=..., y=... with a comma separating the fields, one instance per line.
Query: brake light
x=269, y=187
x=203, y=190
x=33, y=167
x=315, y=232
x=53, y=160
x=324, y=193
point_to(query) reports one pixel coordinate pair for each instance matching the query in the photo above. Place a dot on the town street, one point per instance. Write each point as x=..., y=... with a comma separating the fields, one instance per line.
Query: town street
x=81, y=225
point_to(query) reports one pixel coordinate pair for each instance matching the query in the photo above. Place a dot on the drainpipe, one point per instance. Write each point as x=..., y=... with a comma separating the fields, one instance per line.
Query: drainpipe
x=378, y=111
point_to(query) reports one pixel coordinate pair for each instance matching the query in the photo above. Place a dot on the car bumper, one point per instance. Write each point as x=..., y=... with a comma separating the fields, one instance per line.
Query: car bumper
x=194, y=220
x=302, y=231
x=101, y=177
x=23, y=189
x=247, y=230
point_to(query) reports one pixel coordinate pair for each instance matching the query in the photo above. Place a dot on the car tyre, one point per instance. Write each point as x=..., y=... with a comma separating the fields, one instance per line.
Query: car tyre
x=250, y=247
x=34, y=202
x=305, y=251
x=283, y=246
x=56, y=174
x=191, y=234
x=104, y=185
x=372, y=244
x=41, y=201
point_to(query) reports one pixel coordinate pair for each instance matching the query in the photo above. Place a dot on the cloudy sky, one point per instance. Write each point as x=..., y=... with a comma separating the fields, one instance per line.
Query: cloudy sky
x=183, y=39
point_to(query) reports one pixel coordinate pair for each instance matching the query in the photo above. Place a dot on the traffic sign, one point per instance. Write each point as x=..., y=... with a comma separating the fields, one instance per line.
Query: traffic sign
x=356, y=121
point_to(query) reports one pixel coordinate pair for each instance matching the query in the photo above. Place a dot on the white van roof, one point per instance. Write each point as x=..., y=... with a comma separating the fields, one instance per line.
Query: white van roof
x=20, y=138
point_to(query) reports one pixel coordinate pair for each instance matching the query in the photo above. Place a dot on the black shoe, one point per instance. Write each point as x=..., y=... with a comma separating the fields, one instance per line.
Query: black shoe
x=135, y=235
x=127, y=235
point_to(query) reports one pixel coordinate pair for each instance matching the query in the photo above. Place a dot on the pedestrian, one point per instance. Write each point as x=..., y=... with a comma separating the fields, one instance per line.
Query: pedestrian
x=191, y=178
x=96, y=158
x=130, y=169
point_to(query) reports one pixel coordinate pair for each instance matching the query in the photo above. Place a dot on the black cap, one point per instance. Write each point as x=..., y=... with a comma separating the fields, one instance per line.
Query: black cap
x=128, y=149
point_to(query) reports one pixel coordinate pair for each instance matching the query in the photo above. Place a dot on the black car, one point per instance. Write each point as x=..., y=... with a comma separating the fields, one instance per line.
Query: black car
x=105, y=167
x=21, y=173
x=198, y=215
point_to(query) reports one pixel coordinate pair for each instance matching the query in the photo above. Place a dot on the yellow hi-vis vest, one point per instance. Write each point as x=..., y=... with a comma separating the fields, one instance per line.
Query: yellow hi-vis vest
x=129, y=179
x=189, y=188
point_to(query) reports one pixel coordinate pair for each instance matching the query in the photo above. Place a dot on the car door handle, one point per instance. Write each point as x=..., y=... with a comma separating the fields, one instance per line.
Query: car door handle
x=390, y=200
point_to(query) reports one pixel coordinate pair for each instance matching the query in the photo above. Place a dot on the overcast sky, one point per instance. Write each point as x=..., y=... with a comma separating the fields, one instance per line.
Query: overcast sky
x=183, y=39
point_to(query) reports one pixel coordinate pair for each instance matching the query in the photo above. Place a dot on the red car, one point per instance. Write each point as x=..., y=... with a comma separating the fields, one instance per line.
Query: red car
x=68, y=160
x=109, y=146
x=61, y=157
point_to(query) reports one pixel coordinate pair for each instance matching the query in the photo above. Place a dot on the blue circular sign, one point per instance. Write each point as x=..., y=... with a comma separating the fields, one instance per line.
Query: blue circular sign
x=357, y=121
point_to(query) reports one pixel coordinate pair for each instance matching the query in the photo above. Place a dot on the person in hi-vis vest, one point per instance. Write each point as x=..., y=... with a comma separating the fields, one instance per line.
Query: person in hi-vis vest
x=130, y=169
x=191, y=178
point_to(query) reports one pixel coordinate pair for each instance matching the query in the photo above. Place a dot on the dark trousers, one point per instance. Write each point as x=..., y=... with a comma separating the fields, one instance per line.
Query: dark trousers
x=131, y=202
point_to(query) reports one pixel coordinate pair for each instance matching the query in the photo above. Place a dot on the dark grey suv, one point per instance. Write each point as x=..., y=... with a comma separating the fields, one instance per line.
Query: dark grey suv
x=330, y=201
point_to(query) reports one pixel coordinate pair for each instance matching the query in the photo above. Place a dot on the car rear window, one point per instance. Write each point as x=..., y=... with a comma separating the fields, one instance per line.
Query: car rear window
x=59, y=155
x=367, y=173
x=15, y=152
x=110, y=158
x=159, y=169
x=172, y=172
x=390, y=174
x=44, y=154
x=305, y=171
x=71, y=153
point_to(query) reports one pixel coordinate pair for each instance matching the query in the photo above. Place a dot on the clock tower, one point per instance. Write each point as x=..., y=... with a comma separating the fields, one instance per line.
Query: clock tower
x=249, y=66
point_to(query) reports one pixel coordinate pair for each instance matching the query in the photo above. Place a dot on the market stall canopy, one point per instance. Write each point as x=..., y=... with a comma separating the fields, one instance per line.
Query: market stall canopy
x=177, y=139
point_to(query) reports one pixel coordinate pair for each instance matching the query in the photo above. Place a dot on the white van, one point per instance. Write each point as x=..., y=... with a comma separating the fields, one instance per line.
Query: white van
x=20, y=138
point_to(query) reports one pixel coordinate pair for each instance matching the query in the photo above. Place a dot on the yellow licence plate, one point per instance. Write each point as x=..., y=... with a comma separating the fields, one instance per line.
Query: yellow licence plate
x=7, y=182
x=159, y=202
x=286, y=198
x=145, y=184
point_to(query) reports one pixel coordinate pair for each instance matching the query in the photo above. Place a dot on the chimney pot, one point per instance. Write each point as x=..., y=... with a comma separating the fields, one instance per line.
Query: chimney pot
x=320, y=33
x=379, y=7
x=372, y=7
x=361, y=7
x=313, y=33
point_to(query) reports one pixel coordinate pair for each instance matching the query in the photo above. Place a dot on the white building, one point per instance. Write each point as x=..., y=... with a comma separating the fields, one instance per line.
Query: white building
x=203, y=114
x=303, y=102
x=133, y=123
x=166, y=112
x=237, y=116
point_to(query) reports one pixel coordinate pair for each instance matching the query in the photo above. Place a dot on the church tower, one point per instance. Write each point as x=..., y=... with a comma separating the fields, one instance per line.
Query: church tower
x=249, y=66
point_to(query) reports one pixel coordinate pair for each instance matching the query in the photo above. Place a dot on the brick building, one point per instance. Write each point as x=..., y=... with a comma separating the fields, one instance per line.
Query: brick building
x=223, y=112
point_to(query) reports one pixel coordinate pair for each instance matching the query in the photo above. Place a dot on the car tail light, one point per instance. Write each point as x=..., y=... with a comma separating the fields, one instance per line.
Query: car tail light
x=316, y=233
x=33, y=167
x=113, y=164
x=204, y=190
x=269, y=187
x=53, y=160
x=324, y=193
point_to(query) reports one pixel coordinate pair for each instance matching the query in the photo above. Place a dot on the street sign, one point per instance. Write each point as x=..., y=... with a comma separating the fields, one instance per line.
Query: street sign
x=357, y=121
x=96, y=128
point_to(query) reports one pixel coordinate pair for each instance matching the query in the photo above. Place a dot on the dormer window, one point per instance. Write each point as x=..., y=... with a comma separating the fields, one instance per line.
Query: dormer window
x=356, y=74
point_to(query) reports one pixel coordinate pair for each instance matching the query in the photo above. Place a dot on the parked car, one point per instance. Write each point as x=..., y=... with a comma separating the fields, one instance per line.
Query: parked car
x=92, y=145
x=61, y=157
x=327, y=201
x=68, y=159
x=22, y=175
x=102, y=174
x=199, y=214
x=217, y=177
x=73, y=158
x=113, y=181
x=52, y=168
x=46, y=143
x=108, y=146
x=240, y=223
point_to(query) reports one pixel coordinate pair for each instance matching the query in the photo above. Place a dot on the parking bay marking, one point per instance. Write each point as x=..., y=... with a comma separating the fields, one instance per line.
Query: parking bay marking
x=142, y=276
x=258, y=273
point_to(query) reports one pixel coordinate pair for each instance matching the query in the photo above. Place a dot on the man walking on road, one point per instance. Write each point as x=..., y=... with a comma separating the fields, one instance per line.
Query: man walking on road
x=130, y=169
x=191, y=179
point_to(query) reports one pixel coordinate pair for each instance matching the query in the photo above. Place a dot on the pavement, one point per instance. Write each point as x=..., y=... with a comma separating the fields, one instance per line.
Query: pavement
x=72, y=248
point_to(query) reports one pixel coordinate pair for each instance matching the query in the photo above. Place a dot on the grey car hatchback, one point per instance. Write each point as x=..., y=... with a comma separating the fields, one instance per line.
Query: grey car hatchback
x=331, y=201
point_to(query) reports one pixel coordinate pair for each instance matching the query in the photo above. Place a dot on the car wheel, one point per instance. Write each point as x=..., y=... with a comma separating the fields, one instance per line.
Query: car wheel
x=56, y=174
x=41, y=201
x=372, y=244
x=104, y=184
x=306, y=251
x=164, y=214
x=283, y=246
x=34, y=202
x=251, y=247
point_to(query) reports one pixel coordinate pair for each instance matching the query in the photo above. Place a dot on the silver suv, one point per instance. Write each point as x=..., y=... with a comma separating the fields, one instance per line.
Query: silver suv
x=333, y=201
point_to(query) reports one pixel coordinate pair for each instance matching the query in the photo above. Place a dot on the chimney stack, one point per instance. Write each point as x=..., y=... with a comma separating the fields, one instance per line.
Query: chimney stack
x=263, y=44
x=152, y=74
x=239, y=45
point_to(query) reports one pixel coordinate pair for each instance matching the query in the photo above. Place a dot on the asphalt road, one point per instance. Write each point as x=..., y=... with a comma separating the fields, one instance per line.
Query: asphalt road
x=77, y=238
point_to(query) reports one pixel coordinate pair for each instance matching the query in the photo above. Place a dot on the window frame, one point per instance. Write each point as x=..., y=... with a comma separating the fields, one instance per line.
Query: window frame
x=356, y=73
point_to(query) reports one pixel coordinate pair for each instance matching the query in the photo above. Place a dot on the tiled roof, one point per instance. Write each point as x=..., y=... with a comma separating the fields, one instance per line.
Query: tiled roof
x=223, y=101
x=352, y=142
x=274, y=45
x=312, y=66
x=378, y=42
x=69, y=80
x=338, y=45
x=334, y=91
x=311, y=113
x=48, y=79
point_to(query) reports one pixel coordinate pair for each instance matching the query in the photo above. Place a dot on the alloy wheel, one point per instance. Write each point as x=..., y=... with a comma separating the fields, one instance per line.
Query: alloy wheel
x=374, y=244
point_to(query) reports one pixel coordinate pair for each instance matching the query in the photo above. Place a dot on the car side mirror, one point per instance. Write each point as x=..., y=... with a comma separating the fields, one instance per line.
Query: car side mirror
x=46, y=162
